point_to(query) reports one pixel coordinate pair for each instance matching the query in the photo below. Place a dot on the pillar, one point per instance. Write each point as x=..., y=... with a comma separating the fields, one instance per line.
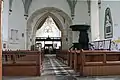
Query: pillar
x=0, y=45
x=64, y=40
x=4, y=23
x=95, y=34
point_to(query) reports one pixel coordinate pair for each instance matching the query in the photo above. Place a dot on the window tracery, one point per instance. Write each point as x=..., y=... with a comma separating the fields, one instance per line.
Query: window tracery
x=48, y=26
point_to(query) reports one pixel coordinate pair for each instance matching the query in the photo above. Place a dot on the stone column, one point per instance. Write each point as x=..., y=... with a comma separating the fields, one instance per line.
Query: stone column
x=0, y=45
x=70, y=38
x=5, y=28
x=64, y=40
x=94, y=20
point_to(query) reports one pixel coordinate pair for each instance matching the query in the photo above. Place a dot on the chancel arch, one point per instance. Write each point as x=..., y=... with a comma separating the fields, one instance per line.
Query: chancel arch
x=62, y=20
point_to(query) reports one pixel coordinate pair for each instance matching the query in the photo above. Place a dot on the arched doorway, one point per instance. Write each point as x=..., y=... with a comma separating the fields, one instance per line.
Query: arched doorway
x=36, y=20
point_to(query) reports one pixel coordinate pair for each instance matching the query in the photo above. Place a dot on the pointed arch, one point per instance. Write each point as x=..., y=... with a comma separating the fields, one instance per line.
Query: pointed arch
x=41, y=20
x=35, y=21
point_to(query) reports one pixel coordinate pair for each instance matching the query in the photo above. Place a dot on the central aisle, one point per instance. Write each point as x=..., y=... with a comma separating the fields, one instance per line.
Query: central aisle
x=55, y=70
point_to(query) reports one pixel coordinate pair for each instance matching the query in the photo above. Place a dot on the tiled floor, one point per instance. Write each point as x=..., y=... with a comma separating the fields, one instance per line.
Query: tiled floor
x=55, y=70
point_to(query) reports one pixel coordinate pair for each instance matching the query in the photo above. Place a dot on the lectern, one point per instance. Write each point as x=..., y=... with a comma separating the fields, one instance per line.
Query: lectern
x=83, y=36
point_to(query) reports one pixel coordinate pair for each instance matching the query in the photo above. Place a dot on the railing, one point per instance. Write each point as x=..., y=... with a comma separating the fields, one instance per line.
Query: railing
x=103, y=45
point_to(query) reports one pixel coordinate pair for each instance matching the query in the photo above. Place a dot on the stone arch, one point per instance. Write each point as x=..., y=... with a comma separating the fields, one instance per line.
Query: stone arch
x=36, y=20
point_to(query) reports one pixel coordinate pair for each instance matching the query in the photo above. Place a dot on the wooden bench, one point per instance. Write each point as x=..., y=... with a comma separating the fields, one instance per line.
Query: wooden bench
x=21, y=63
x=92, y=63
x=97, y=63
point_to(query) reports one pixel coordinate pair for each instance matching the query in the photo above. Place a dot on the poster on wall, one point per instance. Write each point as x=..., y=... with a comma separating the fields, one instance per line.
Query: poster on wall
x=108, y=24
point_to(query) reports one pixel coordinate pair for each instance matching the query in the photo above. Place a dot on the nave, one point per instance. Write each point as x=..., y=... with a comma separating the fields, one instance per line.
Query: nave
x=53, y=69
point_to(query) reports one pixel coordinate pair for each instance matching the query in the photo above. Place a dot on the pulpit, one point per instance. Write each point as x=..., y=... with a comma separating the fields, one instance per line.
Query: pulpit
x=83, y=36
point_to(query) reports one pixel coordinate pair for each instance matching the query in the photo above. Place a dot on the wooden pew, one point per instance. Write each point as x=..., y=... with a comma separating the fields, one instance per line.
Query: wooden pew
x=92, y=63
x=22, y=63
x=97, y=63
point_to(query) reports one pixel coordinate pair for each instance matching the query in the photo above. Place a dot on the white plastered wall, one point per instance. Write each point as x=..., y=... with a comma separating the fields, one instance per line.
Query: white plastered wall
x=17, y=20
x=115, y=13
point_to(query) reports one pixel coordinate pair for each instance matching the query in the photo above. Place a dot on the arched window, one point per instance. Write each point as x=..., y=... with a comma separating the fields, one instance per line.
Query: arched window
x=108, y=24
x=49, y=28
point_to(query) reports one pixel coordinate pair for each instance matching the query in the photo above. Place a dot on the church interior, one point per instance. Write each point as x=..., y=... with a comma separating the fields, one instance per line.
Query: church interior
x=60, y=39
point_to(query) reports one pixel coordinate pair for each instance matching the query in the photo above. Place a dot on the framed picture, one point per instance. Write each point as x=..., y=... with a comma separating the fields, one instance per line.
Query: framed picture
x=14, y=34
x=108, y=24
